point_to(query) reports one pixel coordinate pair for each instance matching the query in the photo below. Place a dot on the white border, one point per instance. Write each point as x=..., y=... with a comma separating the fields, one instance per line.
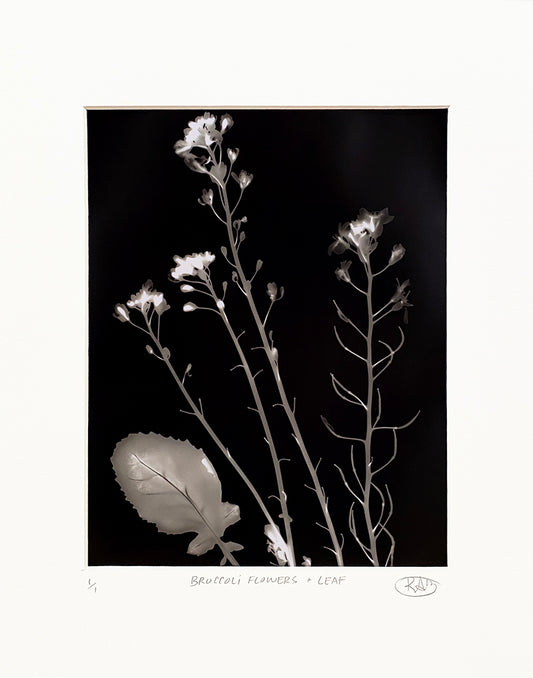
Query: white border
x=59, y=57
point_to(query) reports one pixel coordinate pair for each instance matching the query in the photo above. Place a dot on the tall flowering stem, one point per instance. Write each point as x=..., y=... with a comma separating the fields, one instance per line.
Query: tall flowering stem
x=361, y=238
x=149, y=303
x=204, y=285
x=204, y=134
x=201, y=149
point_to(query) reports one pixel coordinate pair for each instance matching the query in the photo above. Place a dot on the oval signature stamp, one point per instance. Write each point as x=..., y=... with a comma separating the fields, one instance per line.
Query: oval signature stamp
x=416, y=587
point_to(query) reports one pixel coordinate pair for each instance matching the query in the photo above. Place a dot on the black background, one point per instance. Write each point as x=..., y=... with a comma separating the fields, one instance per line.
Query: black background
x=312, y=170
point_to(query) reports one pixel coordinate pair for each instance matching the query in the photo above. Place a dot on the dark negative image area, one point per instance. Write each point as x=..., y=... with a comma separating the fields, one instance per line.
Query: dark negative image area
x=312, y=170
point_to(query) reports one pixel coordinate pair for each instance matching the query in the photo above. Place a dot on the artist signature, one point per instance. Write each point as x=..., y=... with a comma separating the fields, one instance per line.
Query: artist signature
x=416, y=587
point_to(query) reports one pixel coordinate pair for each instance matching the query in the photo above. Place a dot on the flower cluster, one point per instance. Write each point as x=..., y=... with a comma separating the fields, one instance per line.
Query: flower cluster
x=204, y=135
x=191, y=265
x=360, y=236
x=145, y=298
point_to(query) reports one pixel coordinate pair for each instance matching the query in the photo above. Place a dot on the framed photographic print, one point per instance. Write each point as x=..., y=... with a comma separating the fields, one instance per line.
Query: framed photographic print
x=267, y=337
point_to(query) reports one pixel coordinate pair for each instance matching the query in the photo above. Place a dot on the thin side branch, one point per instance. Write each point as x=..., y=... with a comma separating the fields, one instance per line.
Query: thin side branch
x=345, y=318
x=393, y=454
x=357, y=288
x=349, y=350
x=337, y=385
x=217, y=215
x=382, y=506
x=391, y=509
x=347, y=486
x=338, y=435
x=391, y=353
x=267, y=313
x=382, y=270
x=397, y=428
x=353, y=530
x=355, y=470
x=379, y=409
x=376, y=320
x=390, y=557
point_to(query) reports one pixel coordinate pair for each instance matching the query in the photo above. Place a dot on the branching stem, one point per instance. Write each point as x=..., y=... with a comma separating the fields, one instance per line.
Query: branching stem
x=199, y=415
x=266, y=428
x=246, y=286
x=369, y=423
x=375, y=525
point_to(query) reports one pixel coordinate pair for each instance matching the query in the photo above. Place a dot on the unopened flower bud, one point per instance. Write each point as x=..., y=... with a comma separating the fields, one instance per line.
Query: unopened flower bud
x=186, y=288
x=220, y=304
x=397, y=253
x=272, y=291
x=149, y=349
x=189, y=307
x=122, y=313
x=226, y=121
x=233, y=154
